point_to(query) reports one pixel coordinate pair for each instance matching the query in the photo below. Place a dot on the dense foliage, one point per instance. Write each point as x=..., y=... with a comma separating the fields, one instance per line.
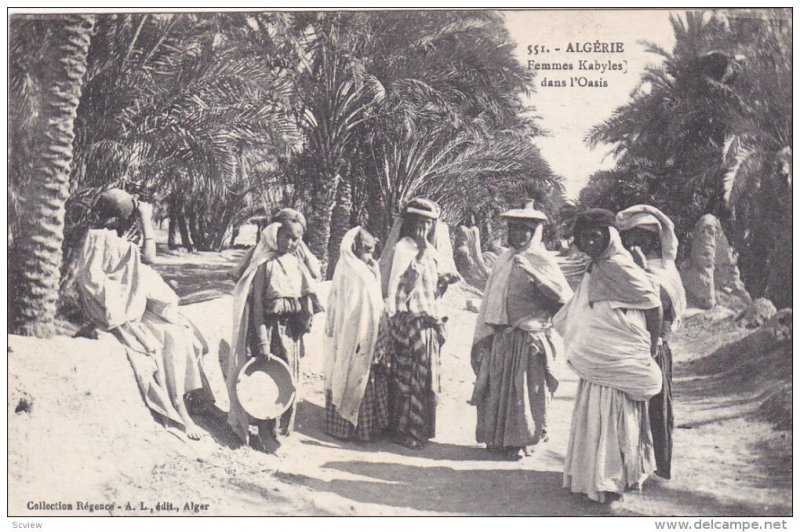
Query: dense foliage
x=220, y=117
x=709, y=130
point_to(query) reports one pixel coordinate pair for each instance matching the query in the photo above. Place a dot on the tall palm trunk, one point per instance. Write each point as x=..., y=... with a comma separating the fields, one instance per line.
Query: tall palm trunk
x=183, y=228
x=319, y=218
x=197, y=227
x=37, y=252
x=173, y=224
x=378, y=218
x=340, y=222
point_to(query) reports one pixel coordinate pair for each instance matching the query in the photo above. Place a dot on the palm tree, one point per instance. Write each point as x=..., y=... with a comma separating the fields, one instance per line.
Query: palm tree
x=196, y=99
x=757, y=154
x=450, y=124
x=336, y=92
x=668, y=139
x=709, y=131
x=59, y=45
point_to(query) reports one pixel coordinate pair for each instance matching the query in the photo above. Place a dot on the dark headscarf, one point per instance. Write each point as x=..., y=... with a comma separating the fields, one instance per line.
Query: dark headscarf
x=614, y=276
x=594, y=218
x=115, y=209
x=114, y=203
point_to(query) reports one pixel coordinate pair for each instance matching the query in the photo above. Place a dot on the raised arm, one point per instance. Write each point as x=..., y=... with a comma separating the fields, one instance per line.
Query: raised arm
x=669, y=242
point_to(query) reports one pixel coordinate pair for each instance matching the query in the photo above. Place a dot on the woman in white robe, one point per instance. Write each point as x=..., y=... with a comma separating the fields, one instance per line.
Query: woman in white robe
x=356, y=387
x=610, y=329
x=120, y=294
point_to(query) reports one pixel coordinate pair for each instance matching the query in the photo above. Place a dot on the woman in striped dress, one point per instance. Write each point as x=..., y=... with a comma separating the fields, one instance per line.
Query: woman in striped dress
x=416, y=272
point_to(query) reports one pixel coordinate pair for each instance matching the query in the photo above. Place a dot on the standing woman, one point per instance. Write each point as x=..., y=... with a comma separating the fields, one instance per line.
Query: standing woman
x=611, y=329
x=356, y=390
x=513, y=349
x=274, y=302
x=649, y=235
x=416, y=269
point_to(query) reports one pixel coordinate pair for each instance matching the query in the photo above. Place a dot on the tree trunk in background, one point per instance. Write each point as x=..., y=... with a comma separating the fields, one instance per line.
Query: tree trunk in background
x=779, y=276
x=202, y=229
x=234, y=235
x=318, y=218
x=171, y=233
x=340, y=222
x=184, y=230
x=221, y=224
x=36, y=268
x=198, y=238
x=377, y=217
x=173, y=225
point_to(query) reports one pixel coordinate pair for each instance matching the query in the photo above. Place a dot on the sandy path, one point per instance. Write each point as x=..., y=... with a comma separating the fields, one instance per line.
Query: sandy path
x=725, y=461
x=724, y=465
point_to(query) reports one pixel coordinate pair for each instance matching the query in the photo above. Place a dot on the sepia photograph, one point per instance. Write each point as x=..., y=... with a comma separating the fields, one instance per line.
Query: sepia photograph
x=400, y=262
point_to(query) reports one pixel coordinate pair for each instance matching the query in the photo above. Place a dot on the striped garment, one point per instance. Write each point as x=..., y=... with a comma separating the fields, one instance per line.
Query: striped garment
x=414, y=354
x=417, y=292
x=373, y=415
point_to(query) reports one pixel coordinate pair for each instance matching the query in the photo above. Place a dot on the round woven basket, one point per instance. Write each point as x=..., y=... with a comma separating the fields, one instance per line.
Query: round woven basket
x=265, y=388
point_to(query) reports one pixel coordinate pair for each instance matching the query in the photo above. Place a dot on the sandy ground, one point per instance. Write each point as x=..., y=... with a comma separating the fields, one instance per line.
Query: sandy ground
x=79, y=432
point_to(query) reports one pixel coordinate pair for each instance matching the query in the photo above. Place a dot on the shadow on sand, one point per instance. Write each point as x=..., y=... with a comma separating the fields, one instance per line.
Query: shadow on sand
x=435, y=488
x=430, y=489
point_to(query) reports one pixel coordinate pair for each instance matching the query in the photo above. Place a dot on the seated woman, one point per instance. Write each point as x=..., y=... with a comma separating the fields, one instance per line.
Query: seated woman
x=121, y=295
x=356, y=389
x=649, y=235
x=610, y=329
x=274, y=302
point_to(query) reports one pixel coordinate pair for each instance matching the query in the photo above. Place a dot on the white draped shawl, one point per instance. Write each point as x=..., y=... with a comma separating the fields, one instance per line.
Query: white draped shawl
x=663, y=269
x=608, y=345
x=493, y=306
x=353, y=314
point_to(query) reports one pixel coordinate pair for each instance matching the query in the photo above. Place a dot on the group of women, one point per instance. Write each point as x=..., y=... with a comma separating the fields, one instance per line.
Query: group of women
x=385, y=328
x=384, y=324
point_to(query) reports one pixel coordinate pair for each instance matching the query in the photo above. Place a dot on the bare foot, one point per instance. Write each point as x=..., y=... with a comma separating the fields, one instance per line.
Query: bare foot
x=193, y=432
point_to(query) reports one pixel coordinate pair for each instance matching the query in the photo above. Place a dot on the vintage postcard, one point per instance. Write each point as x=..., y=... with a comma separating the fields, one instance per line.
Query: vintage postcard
x=389, y=262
